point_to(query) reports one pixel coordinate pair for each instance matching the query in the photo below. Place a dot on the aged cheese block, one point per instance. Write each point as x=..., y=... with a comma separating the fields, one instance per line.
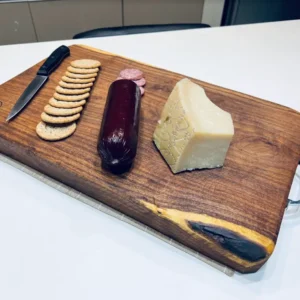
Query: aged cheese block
x=193, y=133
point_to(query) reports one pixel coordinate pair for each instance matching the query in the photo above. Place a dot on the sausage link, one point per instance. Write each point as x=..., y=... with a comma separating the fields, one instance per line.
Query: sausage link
x=118, y=138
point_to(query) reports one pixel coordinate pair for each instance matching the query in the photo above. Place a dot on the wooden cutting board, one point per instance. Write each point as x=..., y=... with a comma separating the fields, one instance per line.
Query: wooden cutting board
x=231, y=214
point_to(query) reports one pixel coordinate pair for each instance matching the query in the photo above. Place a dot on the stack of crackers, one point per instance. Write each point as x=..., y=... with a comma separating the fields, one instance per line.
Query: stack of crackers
x=64, y=109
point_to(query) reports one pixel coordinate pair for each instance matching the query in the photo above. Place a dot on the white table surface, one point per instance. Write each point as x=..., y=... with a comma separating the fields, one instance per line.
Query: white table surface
x=55, y=247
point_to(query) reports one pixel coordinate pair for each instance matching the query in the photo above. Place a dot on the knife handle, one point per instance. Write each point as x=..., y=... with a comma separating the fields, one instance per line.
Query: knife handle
x=54, y=60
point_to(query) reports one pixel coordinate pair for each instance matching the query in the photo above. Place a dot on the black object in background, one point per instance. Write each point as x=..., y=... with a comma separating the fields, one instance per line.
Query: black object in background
x=123, y=30
x=257, y=11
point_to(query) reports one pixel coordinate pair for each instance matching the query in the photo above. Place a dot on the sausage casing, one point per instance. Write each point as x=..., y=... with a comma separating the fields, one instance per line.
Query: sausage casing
x=118, y=138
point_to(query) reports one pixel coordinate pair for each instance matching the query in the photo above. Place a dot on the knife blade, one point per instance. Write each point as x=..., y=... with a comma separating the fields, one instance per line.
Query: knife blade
x=52, y=62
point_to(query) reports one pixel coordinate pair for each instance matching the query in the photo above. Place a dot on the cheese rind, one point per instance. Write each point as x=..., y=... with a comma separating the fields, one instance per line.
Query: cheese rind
x=192, y=133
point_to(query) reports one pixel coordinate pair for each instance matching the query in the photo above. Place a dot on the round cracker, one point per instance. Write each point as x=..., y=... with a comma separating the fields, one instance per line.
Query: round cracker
x=58, y=96
x=61, y=112
x=84, y=76
x=82, y=71
x=85, y=63
x=49, y=132
x=75, y=85
x=66, y=104
x=77, y=80
x=64, y=91
x=59, y=120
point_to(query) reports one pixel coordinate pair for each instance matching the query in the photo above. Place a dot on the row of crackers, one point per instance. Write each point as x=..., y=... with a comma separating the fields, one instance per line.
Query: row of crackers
x=65, y=107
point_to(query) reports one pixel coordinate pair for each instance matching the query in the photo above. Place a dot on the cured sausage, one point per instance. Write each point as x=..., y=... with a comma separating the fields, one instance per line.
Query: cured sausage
x=118, y=138
x=132, y=74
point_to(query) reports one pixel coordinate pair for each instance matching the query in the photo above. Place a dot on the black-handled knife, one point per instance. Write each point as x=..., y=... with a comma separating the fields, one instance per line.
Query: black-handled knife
x=52, y=62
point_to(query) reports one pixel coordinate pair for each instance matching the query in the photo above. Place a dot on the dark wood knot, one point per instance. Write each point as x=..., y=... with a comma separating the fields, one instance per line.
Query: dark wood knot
x=229, y=240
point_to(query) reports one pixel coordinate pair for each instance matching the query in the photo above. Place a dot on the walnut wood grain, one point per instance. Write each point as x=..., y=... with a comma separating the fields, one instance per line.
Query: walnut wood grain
x=246, y=198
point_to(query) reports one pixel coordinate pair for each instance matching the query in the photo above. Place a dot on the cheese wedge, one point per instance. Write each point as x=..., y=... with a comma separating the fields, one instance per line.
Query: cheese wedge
x=192, y=133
